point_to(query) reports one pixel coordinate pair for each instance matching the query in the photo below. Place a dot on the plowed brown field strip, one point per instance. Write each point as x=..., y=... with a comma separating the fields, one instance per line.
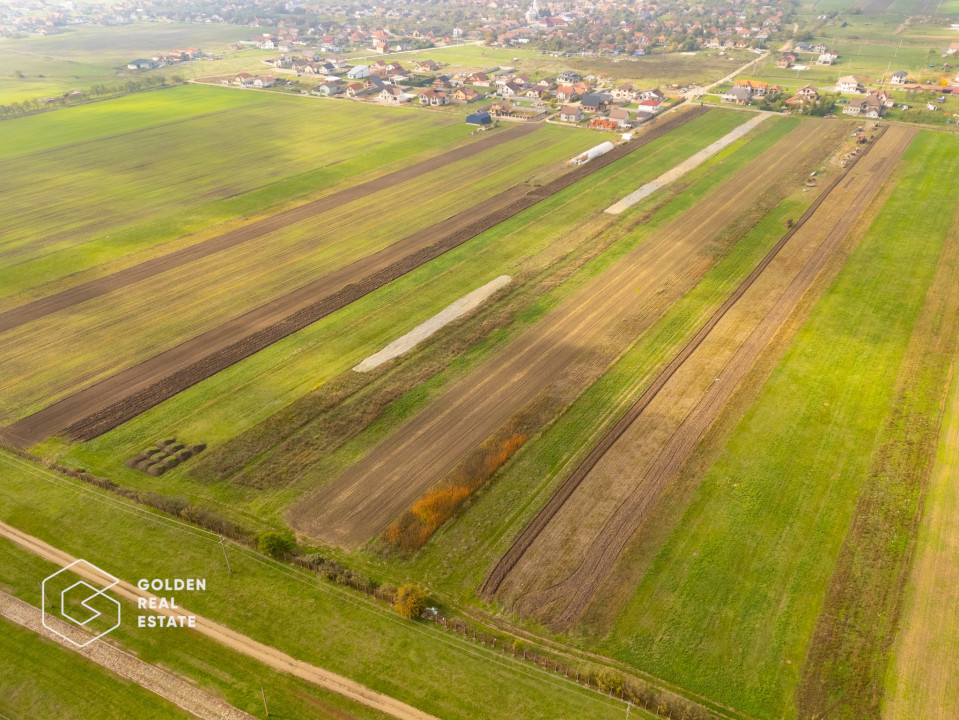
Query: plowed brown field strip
x=606, y=499
x=365, y=498
x=101, y=286
x=101, y=407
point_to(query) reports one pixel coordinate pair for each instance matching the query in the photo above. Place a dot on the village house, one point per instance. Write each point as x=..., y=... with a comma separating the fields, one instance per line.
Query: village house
x=648, y=107
x=738, y=95
x=243, y=79
x=357, y=72
x=566, y=93
x=595, y=102
x=354, y=89
x=465, y=94
x=624, y=93
x=433, y=98
x=264, y=82
x=871, y=106
x=757, y=87
x=393, y=94
x=427, y=66
x=500, y=109
x=828, y=57
x=653, y=94
x=571, y=113
x=850, y=84
x=900, y=77
x=327, y=89
x=621, y=117
x=786, y=60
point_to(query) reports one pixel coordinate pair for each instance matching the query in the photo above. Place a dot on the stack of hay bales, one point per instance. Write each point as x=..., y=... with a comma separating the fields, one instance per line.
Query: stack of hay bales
x=164, y=455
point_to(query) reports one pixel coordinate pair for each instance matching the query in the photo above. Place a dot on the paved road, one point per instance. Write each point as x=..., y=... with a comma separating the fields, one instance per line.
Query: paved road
x=231, y=639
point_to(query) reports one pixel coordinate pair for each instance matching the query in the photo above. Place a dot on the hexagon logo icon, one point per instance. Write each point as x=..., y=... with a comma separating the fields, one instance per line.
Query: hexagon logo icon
x=74, y=603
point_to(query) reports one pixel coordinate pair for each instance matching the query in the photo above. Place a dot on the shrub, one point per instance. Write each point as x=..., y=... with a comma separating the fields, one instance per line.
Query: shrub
x=166, y=503
x=207, y=518
x=410, y=601
x=276, y=543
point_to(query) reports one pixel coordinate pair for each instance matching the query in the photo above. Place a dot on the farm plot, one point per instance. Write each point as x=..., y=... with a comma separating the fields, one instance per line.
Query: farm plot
x=554, y=354
x=152, y=317
x=732, y=575
x=536, y=243
x=85, y=201
x=612, y=493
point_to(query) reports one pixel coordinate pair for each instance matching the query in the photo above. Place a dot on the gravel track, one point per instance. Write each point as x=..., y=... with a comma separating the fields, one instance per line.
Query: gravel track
x=229, y=638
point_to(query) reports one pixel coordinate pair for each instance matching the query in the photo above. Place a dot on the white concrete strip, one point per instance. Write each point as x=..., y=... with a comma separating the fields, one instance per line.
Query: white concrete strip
x=686, y=165
x=444, y=317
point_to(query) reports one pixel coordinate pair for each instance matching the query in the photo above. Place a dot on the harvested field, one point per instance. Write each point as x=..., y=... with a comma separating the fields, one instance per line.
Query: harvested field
x=103, y=406
x=609, y=495
x=101, y=286
x=594, y=323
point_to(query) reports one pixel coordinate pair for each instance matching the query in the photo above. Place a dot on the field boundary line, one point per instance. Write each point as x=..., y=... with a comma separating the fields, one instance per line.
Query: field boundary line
x=91, y=412
x=532, y=530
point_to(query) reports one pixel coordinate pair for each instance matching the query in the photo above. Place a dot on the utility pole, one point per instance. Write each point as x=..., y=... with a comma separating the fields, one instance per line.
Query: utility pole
x=225, y=556
x=263, y=693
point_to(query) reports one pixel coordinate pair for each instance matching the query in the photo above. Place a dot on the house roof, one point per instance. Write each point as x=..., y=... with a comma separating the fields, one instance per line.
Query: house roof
x=568, y=110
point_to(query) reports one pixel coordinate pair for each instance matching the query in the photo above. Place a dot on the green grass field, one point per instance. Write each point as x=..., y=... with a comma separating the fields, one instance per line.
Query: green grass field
x=42, y=680
x=731, y=596
x=81, y=56
x=140, y=321
x=216, y=411
x=312, y=620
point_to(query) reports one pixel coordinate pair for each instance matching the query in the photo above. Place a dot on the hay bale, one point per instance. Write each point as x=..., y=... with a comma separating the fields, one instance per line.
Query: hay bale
x=132, y=462
x=171, y=462
x=184, y=455
x=168, y=441
x=198, y=448
x=175, y=448
x=151, y=451
x=143, y=465
x=156, y=470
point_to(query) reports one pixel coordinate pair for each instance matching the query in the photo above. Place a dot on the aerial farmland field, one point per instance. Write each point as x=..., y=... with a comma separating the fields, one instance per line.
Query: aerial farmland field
x=373, y=411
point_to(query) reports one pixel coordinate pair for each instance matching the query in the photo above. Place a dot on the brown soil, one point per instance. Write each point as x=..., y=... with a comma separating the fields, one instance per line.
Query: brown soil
x=230, y=638
x=606, y=499
x=101, y=407
x=101, y=286
x=364, y=499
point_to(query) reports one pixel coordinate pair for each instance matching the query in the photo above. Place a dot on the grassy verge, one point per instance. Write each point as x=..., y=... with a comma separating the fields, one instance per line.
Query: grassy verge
x=42, y=680
x=731, y=598
x=310, y=619
x=843, y=675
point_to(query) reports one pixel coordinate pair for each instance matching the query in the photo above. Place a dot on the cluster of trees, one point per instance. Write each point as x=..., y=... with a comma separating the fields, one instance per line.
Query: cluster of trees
x=96, y=92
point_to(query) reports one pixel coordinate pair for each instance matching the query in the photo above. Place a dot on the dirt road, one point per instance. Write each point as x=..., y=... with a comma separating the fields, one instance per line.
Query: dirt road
x=229, y=638
x=156, y=680
x=367, y=496
x=103, y=406
x=138, y=273
x=607, y=498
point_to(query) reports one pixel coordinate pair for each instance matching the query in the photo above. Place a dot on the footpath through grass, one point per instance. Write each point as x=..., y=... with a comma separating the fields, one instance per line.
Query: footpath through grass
x=730, y=601
x=310, y=619
x=42, y=680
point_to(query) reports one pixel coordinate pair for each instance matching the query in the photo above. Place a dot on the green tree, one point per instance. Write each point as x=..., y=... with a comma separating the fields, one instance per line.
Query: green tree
x=275, y=543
